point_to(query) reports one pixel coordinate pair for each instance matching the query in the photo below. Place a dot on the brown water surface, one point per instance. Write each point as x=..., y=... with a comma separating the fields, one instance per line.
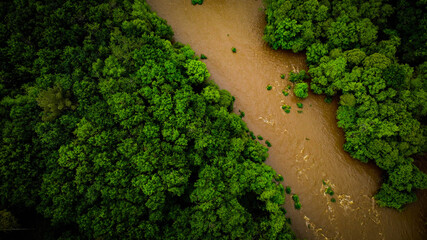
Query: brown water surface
x=307, y=147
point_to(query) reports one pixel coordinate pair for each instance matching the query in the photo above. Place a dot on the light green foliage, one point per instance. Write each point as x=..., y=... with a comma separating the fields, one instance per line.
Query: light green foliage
x=151, y=148
x=300, y=105
x=353, y=49
x=347, y=99
x=54, y=101
x=301, y=90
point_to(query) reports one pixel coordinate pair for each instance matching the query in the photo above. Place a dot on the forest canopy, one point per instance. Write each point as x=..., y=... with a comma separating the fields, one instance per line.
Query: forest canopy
x=372, y=54
x=110, y=130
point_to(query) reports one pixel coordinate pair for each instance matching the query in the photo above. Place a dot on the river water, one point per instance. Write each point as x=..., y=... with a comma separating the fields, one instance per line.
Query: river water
x=307, y=147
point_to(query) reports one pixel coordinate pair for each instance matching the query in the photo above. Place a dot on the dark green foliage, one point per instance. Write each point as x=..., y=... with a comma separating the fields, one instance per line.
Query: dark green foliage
x=297, y=203
x=298, y=77
x=260, y=137
x=269, y=87
x=242, y=114
x=286, y=108
x=195, y=2
x=252, y=135
x=329, y=191
x=234, y=50
x=301, y=90
x=299, y=111
x=300, y=105
x=333, y=200
x=267, y=143
x=282, y=76
x=7, y=221
x=353, y=50
x=203, y=56
x=328, y=99
x=139, y=144
x=285, y=93
x=288, y=190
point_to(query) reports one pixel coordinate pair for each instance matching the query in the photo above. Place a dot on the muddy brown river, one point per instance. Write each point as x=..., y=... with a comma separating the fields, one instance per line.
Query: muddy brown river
x=307, y=147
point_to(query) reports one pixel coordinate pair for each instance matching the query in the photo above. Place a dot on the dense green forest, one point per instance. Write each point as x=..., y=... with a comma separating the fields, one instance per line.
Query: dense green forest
x=110, y=130
x=372, y=54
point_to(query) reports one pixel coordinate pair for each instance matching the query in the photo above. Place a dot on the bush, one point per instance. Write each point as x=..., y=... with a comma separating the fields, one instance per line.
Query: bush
x=288, y=190
x=329, y=191
x=285, y=93
x=242, y=114
x=252, y=135
x=203, y=56
x=260, y=137
x=269, y=87
x=298, y=77
x=234, y=50
x=301, y=90
x=286, y=108
x=268, y=143
x=297, y=203
x=300, y=105
x=282, y=76
x=195, y=2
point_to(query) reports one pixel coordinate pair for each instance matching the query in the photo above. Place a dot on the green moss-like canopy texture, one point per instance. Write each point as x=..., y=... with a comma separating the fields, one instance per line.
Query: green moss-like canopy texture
x=111, y=131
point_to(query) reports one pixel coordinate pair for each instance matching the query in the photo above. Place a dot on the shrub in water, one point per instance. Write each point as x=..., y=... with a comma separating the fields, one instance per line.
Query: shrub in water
x=252, y=135
x=301, y=90
x=194, y=2
x=278, y=178
x=329, y=191
x=242, y=114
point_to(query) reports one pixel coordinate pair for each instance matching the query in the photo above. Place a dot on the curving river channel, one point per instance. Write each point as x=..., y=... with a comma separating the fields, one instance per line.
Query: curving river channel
x=307, y=147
